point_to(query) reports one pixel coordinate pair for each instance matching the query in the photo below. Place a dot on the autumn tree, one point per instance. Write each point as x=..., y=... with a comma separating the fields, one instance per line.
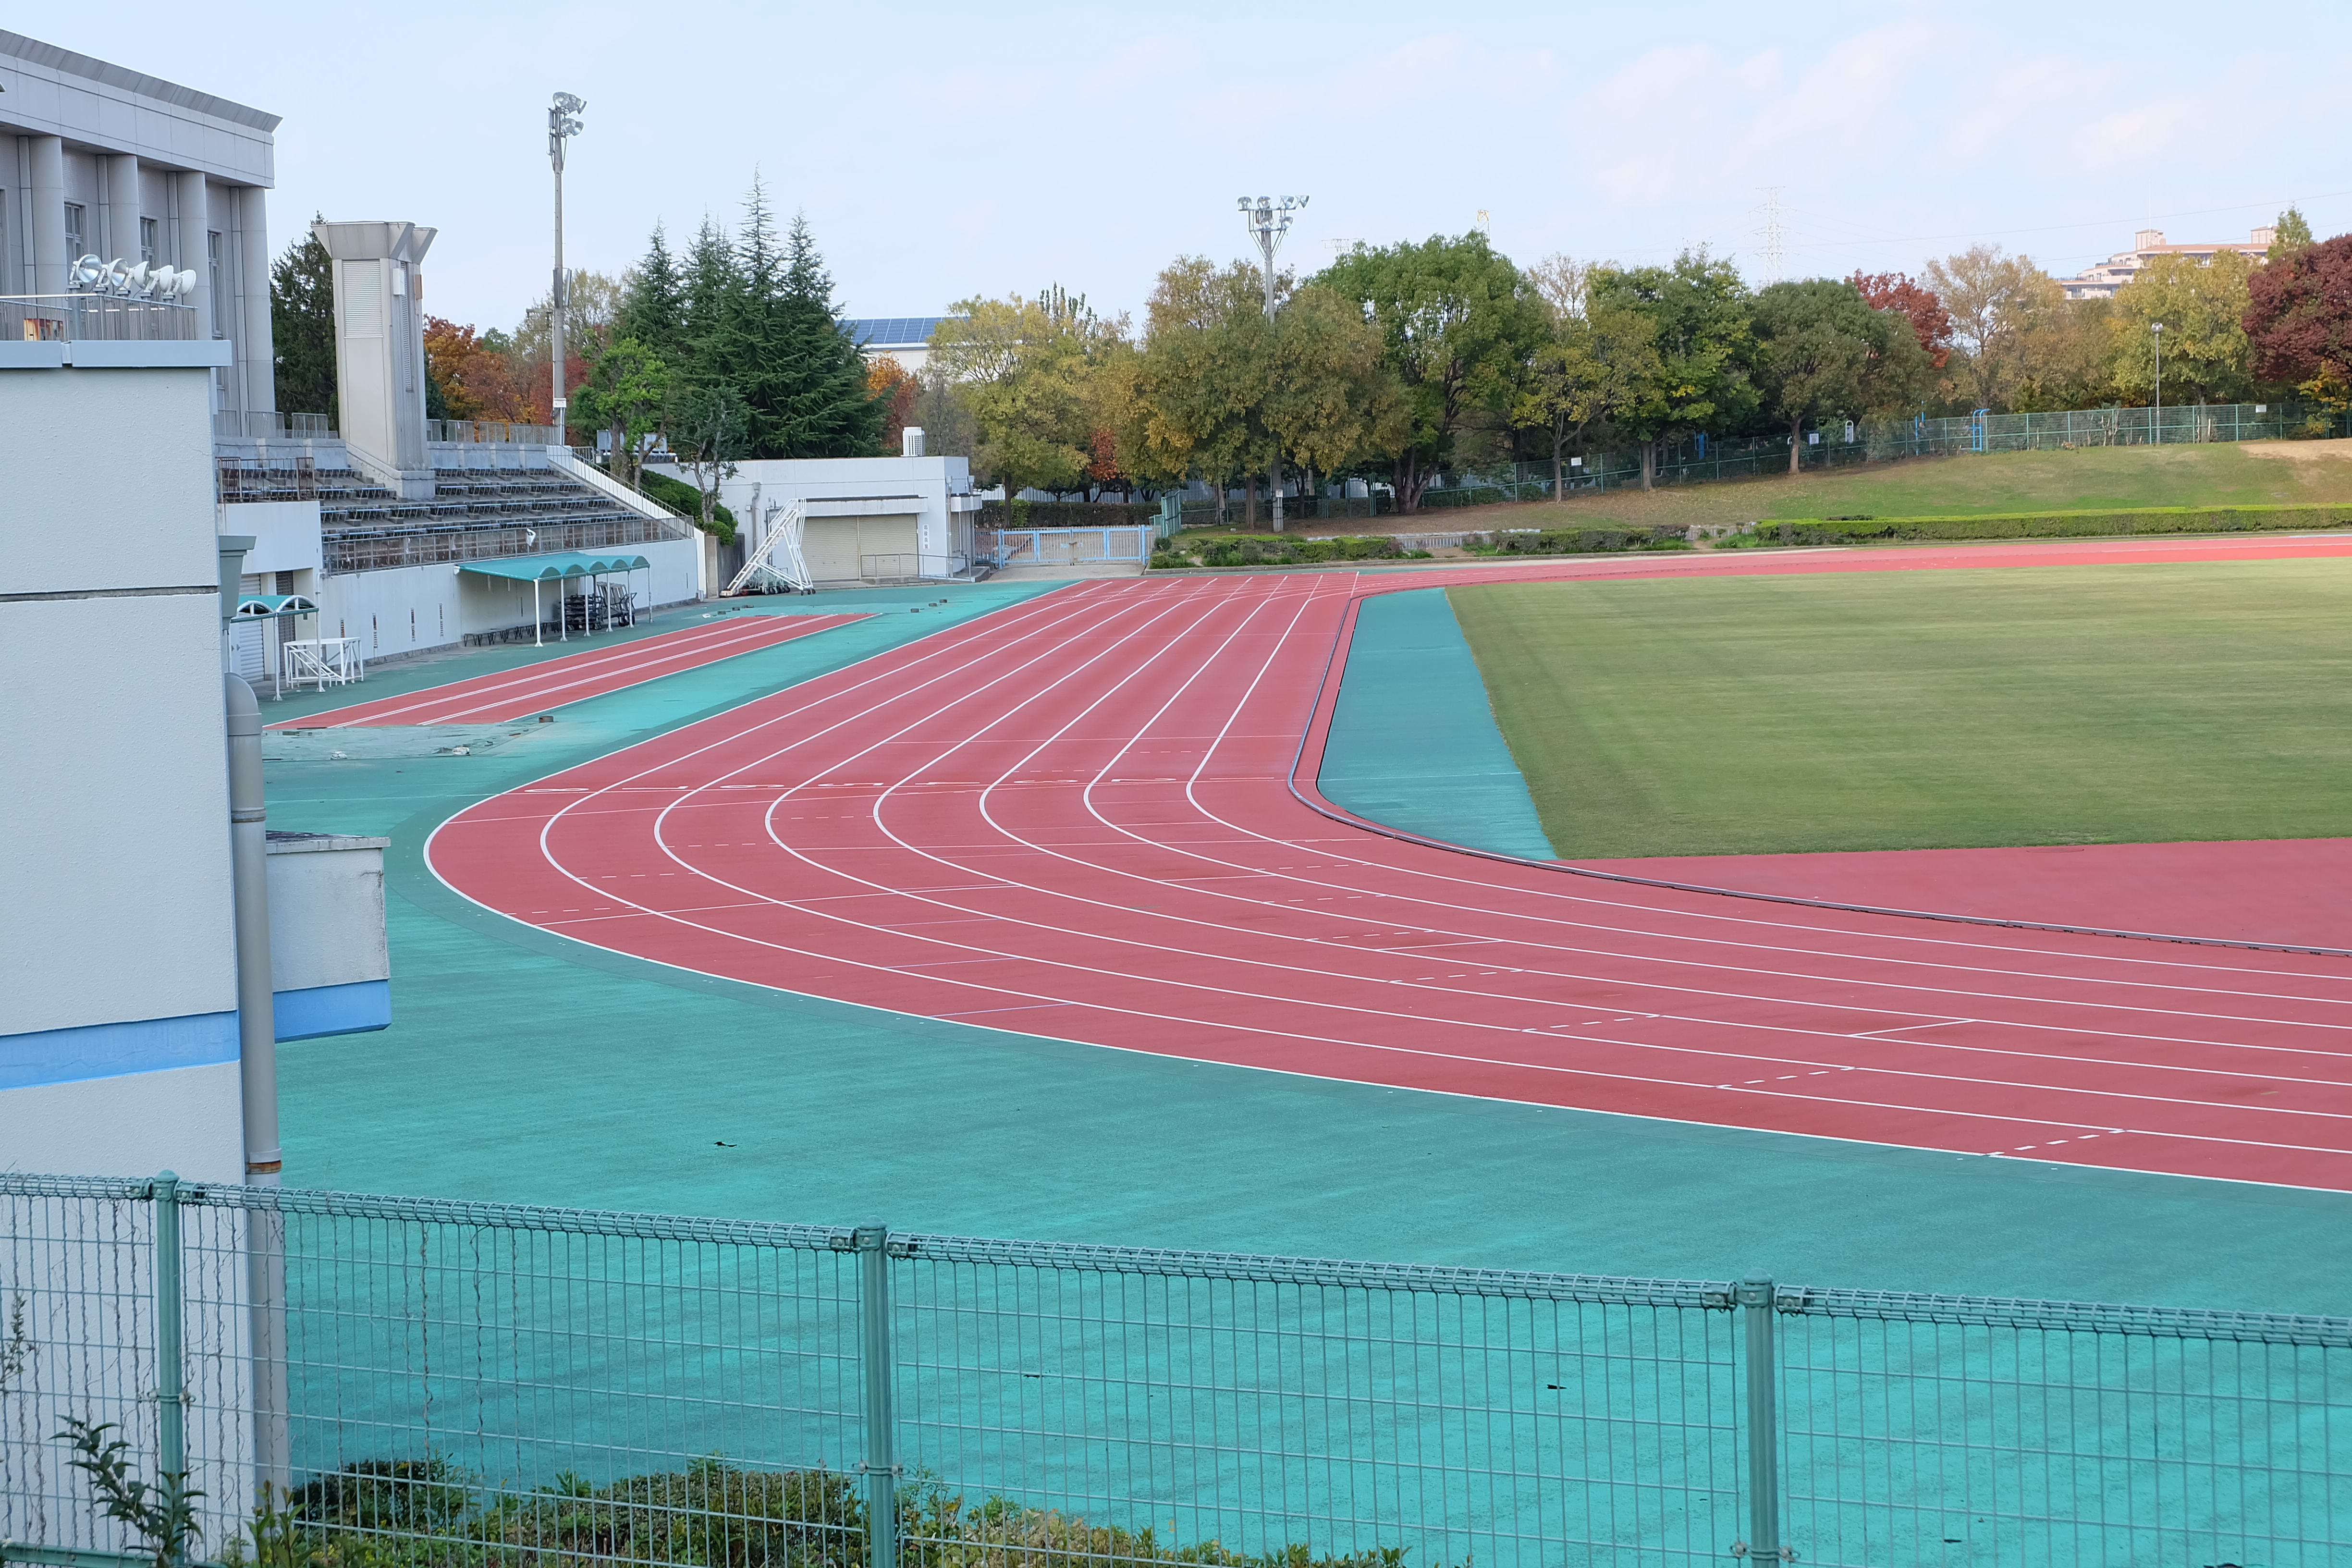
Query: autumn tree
x=302, y=328
x=1697, y=310
x=1203, y=373
x=1915, y=303
x=1822, y=351
x=1456, y=323
x=1992, y=296
x=1020, y=365
x=893, y=387
x=2298, y=319
x=2203, y=305
x=478, y=375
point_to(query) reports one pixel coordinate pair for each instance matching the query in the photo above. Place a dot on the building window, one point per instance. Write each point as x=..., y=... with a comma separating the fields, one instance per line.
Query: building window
x=76, y=229
x=213, y=280
x=147, y=240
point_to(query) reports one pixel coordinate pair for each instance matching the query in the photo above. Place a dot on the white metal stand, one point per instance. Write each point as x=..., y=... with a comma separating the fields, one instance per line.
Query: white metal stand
x=323, y=661
x=779, y=554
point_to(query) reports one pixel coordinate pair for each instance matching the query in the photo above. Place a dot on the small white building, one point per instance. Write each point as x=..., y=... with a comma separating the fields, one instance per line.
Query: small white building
x=865, y=520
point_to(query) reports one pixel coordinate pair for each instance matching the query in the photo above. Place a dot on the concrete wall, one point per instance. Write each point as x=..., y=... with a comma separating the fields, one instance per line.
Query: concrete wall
x=117, y=1035
x=409, y=609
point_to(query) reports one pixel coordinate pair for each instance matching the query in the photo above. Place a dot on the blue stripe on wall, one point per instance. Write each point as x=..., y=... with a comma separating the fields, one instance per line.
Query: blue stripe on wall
x=200, y=1039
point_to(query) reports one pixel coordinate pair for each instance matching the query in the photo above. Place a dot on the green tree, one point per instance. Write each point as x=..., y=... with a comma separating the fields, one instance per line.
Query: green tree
x=711, y=431
x=653, y=302
x=302, y=329
x=2289, y=234
x=1821, y=352
x=1456, y=323
x=824, y=405
x=625, y=392
x=1595, y=364
x=1021, y=367
x=1698, y=310
x=2207, y=357
x=1330, y=398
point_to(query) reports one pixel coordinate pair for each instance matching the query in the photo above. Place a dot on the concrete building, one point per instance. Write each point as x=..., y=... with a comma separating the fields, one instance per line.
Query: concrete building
x=865, y=519
x=96, y=160
x=2103, y=281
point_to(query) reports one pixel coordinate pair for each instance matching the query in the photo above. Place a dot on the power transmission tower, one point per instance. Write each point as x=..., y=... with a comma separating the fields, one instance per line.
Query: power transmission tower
x=1774, y=238
x=1269, y=220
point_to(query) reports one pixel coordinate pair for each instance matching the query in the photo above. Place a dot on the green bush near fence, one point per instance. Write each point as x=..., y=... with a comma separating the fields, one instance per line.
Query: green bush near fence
x=399, y=1513
x=1581, y=540
x=1250, y=551
x=1775, y=533
x=687, y=501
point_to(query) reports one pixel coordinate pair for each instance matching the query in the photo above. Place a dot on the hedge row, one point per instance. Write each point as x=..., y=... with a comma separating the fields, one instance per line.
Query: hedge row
x=1773, y=532
x=1276, y=551
x=1581, y=540
x=1066, y=514
x=687, y=501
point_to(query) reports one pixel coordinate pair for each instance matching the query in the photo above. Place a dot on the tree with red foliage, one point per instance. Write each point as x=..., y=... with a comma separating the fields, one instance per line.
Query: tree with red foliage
x=885, y=378
x=2299, y=317
x=1917, y=303
x=476, y=375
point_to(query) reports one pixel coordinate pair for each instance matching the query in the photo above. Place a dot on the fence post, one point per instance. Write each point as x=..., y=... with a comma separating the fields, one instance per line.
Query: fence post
x=880, y=1466
x=1756, y=1298
x=171, y=1410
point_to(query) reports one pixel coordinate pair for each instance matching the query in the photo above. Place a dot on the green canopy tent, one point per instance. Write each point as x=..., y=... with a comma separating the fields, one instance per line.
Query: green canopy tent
x=537, y=569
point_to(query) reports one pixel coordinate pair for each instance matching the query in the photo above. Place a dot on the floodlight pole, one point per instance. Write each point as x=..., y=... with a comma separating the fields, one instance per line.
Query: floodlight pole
x=561, y=125
x=2156, y=427
x=1269, y=221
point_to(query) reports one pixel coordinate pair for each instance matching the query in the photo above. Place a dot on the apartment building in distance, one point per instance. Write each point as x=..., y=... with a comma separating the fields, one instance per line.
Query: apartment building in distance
x=2101, y=283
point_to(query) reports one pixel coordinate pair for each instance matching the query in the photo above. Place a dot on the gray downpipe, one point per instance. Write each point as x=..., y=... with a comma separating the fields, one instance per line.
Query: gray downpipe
x=257, y=1026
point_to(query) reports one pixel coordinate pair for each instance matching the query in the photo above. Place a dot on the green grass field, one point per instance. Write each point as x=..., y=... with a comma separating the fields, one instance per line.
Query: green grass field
x=2213, y=474
x=1898, y=711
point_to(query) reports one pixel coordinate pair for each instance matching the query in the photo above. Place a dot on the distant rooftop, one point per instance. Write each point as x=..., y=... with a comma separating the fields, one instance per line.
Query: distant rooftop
x=891, y=331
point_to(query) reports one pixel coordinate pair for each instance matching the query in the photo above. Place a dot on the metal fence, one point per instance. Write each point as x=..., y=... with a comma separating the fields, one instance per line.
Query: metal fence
x=94, y=318
x=470, y=431
x=483, y=1383
x=1062, y=546
x=1698, y=458
x=373, y=550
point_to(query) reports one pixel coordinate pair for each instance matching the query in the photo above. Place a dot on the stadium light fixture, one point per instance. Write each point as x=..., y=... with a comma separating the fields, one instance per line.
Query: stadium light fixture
x=1269, y=220
x=563, y=124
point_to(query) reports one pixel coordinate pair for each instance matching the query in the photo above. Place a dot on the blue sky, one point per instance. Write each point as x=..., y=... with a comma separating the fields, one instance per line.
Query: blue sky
x=942, y=150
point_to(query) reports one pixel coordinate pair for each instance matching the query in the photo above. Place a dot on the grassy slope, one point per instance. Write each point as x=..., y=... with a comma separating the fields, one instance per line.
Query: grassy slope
x=1892, y=710
x=2213, y=474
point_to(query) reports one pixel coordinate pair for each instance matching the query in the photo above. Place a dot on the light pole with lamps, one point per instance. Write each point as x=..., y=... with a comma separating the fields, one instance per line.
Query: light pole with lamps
x=1269, y=221
x=563, y=124
x=2157, y=434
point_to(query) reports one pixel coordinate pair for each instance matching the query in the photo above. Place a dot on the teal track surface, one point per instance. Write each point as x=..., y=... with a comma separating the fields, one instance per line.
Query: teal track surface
x=1413, y=741
x=522, y=1067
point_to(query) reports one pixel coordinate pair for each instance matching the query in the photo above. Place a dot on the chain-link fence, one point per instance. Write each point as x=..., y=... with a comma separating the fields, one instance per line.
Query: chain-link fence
x=437, y=1382
x=1694, y=459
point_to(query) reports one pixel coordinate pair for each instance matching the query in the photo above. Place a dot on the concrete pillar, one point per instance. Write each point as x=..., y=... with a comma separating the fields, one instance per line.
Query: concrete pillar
x=255, y=349
x=380, y=347
x=48, y=236
x=188, y=249
x=117, y=235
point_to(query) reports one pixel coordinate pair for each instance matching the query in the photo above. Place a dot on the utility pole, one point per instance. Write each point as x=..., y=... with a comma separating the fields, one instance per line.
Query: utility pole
x=1269, y=221
x=563, y=124
x=2156, y=427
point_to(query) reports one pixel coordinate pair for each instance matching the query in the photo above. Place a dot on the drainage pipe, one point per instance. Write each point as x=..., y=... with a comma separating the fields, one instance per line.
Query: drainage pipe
x=257, y=1027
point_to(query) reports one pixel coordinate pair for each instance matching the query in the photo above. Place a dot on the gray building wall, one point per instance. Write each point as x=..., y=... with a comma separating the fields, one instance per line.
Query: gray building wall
x=128, y=162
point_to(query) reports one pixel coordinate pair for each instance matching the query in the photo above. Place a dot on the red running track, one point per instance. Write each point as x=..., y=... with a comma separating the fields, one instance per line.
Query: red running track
x=1075, y=818
x=536, y=688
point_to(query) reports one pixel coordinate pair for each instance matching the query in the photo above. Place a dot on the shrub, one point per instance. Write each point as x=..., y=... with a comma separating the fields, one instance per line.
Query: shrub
x=1583, y=541
x=687, y=501
x=1773, y=532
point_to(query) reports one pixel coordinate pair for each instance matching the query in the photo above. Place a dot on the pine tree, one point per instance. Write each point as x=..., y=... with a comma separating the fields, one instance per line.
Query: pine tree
x=828, y=409
x=709, y=289
x=653, y=310
x=302, y=328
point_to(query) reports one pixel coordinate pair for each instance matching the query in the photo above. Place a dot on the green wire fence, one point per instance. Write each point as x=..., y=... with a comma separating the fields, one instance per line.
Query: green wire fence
x=411, y=1382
